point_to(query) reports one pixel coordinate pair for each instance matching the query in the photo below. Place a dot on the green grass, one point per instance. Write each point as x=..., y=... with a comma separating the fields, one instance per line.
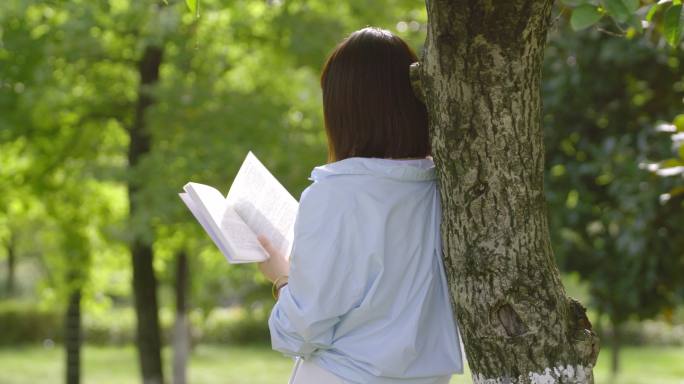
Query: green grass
x=643, y=365
x=260, y=365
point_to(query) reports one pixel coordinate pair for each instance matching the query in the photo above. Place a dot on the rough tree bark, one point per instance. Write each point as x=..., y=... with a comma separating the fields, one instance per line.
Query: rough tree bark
x=144, y=280
x=480, y=77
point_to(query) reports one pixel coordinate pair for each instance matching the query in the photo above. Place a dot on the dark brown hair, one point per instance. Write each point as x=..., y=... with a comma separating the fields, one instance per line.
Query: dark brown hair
x=369, y=106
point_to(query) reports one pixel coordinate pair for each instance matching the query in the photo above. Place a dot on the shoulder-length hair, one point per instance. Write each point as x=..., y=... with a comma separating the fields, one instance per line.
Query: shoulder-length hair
x=369, y=106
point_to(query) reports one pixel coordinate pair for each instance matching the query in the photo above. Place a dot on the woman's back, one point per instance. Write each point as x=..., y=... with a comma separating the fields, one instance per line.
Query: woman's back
x=367, y=297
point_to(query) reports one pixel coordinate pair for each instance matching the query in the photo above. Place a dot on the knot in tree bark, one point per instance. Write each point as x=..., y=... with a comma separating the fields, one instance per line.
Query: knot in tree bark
x=511, y=321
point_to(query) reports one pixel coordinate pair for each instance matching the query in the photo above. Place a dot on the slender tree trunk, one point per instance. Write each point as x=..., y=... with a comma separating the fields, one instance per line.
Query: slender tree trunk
x=72, y=338
x=181, y=334
x=598, y=327
x=480, y=78
x=11, y=265
x=144, y=280
x=616, y=345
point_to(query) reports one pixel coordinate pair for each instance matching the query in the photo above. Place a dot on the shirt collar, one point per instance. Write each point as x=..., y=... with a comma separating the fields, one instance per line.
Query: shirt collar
x=400, y=169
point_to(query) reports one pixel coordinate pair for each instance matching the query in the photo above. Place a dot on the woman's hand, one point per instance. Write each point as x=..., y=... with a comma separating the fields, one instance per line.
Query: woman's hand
x=276, y=265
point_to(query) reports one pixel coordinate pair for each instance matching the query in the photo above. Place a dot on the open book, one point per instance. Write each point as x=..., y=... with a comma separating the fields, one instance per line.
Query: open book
x=257, y=204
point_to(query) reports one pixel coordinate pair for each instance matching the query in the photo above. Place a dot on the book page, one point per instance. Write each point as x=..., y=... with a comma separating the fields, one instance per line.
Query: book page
x=229, y=232
x=207, y=205
x=241, y=238
x=264, y=204
x=205, y=222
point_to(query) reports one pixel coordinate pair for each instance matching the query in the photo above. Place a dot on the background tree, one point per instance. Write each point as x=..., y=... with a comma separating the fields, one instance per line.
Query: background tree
x=600, y=103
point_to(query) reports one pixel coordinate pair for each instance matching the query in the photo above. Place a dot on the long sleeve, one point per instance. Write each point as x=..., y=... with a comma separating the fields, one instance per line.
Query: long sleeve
x=327, y=276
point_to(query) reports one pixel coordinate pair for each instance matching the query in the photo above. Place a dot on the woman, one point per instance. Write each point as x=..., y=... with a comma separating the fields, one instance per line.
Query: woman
x=363, y=296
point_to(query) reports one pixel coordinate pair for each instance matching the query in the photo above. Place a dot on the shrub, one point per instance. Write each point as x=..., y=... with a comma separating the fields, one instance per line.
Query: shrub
x=648, y=332
x=22, y=322
x=234, y=326
x=113, y=327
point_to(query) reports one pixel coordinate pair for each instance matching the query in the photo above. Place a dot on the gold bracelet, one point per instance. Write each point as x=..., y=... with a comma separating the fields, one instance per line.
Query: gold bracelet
x=275, y=288
x=280, y=289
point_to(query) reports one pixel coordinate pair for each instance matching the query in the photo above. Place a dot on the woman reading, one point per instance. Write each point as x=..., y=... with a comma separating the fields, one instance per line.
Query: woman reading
x=363, y=297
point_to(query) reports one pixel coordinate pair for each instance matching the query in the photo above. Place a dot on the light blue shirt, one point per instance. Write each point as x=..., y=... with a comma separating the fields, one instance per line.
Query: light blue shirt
x=367, y=296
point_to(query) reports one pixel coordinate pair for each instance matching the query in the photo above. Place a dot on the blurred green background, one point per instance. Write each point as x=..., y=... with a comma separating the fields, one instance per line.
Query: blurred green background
x=93, y=151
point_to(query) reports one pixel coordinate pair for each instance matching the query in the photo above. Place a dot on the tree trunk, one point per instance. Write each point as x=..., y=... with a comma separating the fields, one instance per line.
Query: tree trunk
x=616, y=344
x=144, y=280
x=598, y=327
x=181, y=334
x=72, y=338
x=11, y=264
x=480, y=78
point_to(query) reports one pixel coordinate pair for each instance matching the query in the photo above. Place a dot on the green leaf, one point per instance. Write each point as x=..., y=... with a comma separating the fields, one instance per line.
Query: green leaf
x=192, y=5
x=617, y=9
x=652, y=11
x=679, y=122
x=673, y=24
x=584, y=16
x=670, y=163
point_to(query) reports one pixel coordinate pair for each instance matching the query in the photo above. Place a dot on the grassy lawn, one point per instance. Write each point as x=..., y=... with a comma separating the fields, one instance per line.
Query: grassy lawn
x=260, y=365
